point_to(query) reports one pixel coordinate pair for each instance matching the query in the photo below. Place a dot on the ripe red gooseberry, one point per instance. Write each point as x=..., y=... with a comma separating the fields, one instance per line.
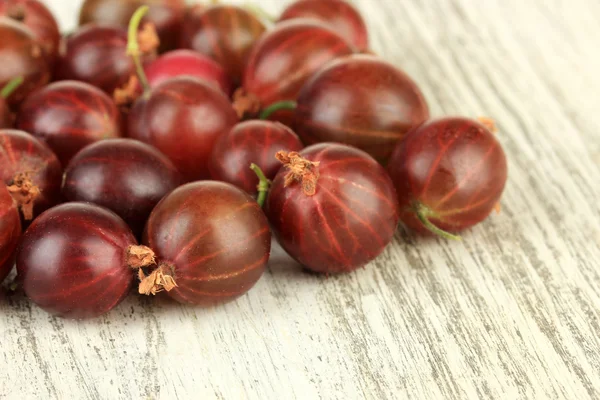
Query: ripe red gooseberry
x=69, y=115
x=124, y=175
x=449, y=174
x=77, y=260
x=183, y=117
x=212, y=242
x=332, y=207
x=362, y=101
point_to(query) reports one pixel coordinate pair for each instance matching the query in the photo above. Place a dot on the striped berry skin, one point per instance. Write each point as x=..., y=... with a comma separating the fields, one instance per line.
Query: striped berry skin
x=165, y=15
x=213, y=238
x=23, y=155
x=452, y=170
x=338, y=14
x=225, y=33
x=362, y=101
x=22, y=56
x=73, y=263
x=69, y=115
x=338, y=214
x=10, y=231
x=251, y=142
x=286, y=57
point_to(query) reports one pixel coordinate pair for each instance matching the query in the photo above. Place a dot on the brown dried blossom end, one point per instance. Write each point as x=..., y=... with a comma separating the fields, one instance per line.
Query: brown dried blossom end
x=301, y=171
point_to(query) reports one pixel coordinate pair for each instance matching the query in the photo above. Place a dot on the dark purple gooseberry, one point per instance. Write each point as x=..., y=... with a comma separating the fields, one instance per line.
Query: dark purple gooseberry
x=10, y=231
x=123, y=175
x=31, y=171
x=449, y=174
x=333, y=208
x=362, y=101
x=251, y=142
x=68, y=116
x=340, y=15
x=77, y=260
x=212, y=242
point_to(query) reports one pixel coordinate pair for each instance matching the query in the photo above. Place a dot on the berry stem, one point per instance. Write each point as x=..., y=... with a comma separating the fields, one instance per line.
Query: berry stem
x=423, y=213
x=133, y=48
x=11, y=87
x=264, y=185
x=279, y=106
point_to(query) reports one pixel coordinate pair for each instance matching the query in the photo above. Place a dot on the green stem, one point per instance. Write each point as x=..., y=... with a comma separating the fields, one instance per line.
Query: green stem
x=133, y=48
x=281, y=105
x=423, y=213
x=11, y=87
x=264, y=185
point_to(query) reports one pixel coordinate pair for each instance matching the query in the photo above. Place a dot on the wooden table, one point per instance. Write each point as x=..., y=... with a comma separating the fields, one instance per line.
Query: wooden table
x=510, y=313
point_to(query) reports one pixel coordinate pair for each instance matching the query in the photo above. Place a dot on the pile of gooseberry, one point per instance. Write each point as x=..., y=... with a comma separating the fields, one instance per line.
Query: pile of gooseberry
x=160, y=147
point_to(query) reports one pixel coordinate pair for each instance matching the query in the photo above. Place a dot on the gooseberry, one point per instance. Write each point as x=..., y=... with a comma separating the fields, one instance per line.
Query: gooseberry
x=362, y=101
x=69, y=115
x=212, y=243
x=449, y=174
x=77, y=260
x=124, y=175
x=333, y=208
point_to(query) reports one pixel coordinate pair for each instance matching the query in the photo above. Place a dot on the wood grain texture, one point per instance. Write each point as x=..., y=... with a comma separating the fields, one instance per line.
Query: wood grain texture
x=513, y=312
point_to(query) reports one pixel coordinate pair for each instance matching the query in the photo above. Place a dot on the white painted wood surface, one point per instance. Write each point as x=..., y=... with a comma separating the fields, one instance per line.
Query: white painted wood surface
x=513, y=312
